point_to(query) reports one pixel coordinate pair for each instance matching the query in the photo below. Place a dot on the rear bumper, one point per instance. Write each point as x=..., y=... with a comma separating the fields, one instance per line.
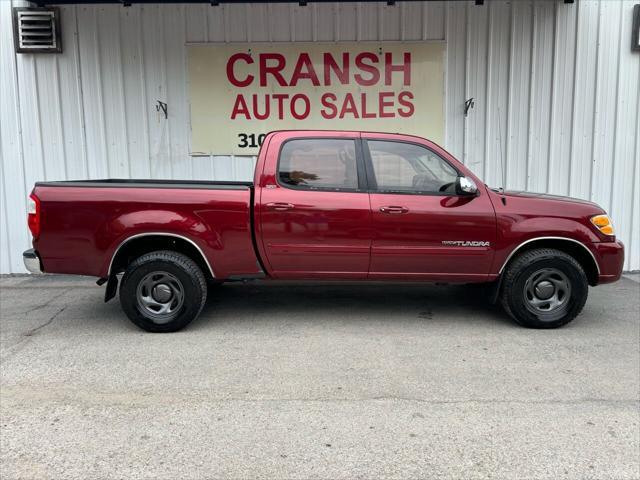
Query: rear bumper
x=32, y=261
x=610, y=257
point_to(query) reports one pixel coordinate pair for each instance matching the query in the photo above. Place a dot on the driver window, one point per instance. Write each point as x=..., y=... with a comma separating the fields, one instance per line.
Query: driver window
x=405, y=167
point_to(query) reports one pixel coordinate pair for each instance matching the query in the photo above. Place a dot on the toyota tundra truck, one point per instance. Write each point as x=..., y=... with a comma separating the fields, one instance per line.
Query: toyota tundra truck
x=325, y=205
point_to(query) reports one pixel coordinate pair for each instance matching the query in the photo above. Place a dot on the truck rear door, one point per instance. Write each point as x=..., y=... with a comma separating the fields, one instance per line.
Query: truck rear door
x=314, y=212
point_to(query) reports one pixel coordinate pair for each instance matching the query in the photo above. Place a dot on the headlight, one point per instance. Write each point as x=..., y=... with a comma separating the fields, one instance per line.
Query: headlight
x=603, y=223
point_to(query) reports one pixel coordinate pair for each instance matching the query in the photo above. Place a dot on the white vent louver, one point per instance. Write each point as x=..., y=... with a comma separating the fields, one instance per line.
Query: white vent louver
x=36, y=30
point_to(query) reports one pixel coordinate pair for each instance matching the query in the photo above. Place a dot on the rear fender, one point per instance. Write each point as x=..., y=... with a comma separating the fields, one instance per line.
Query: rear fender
x=134, y=225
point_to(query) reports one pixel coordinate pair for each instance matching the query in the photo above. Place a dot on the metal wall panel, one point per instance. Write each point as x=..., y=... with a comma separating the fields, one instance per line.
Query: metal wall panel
x=456, y=90
x=14, y=235
x=585, y=99
x=556, y=90
x=477, y=72
x=518, y=113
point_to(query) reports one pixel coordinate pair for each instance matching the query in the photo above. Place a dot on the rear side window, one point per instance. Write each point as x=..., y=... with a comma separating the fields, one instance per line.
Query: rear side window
x=319, y=163
x=406, y=167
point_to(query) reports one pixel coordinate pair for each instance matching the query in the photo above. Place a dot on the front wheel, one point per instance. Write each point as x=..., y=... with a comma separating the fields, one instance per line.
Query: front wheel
x=163, y=291
x=544, y=288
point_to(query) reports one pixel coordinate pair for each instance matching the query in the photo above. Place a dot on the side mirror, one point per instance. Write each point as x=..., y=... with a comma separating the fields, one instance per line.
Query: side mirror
x=466, y=186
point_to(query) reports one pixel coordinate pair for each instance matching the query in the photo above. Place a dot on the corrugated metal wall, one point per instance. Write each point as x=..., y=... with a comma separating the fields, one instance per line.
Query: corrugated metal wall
x=556, y=91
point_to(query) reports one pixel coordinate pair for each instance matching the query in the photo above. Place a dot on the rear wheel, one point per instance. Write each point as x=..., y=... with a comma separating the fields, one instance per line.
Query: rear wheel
x=163, y=291
x=544, y=288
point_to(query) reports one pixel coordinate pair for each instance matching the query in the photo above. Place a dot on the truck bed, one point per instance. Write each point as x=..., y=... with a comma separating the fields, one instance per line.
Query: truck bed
x=84, y=222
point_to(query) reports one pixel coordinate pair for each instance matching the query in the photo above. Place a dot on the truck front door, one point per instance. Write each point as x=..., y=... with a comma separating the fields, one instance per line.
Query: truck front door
x=421, y=228
x=314, y=212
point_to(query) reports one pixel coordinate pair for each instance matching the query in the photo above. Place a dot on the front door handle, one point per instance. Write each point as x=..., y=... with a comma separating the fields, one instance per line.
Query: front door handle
x=280, y=206
x=394, y=209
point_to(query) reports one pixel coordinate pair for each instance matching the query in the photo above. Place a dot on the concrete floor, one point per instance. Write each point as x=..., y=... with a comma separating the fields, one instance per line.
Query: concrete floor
x=338, y=381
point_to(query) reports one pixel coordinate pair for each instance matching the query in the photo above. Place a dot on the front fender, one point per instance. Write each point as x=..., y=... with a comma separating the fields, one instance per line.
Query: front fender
x=514, y=235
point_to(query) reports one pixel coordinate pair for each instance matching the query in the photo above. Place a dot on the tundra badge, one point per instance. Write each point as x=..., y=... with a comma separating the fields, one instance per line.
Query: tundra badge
x=466, y=243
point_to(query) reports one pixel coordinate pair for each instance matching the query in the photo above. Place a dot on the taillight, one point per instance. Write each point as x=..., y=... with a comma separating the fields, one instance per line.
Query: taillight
x=33, y=210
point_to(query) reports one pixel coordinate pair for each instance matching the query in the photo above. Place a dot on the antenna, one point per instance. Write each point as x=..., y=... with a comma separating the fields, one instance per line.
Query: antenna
x=503, y=170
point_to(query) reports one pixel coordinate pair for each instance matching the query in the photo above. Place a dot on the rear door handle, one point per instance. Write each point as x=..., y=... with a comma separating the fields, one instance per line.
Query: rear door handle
x=280, y=206
x=394, y=209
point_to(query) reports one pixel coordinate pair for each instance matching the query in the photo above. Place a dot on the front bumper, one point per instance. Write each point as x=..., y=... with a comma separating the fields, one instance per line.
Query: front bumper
x=610, y=257
x=32, y=261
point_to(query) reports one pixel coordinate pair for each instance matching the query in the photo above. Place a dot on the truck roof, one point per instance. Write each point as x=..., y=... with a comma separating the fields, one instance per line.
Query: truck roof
x=349, y=131
x=335, y=130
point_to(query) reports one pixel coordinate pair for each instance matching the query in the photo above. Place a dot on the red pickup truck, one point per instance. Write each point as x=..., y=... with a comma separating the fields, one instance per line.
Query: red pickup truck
x=330, y=205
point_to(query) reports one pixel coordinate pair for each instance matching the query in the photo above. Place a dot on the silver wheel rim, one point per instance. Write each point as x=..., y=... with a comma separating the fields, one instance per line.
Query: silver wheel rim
x=546, y=293
x=160, y=297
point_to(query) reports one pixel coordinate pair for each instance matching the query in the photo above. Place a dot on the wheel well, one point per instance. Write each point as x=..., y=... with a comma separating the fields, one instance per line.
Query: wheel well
x=139, y=246
x=577, y=251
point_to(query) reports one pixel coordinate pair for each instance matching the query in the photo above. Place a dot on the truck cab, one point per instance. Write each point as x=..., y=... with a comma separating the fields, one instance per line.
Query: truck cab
x=372, y=206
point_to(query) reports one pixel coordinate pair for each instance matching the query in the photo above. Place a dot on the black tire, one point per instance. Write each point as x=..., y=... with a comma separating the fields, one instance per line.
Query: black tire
x=163, y=291
x=544, y=288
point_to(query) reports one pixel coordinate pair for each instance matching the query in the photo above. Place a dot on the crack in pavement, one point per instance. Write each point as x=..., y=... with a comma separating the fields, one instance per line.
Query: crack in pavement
x=38, y=307
x=15, y=349
x=35, y=330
